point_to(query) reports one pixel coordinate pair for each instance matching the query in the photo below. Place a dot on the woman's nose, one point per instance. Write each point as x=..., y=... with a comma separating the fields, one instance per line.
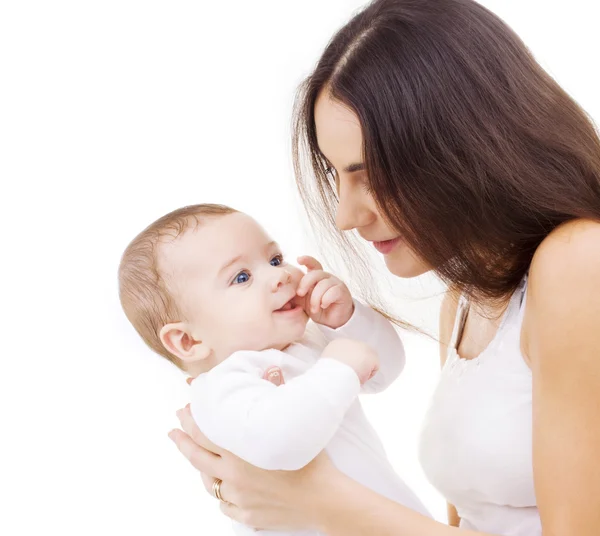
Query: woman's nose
x=352, y=211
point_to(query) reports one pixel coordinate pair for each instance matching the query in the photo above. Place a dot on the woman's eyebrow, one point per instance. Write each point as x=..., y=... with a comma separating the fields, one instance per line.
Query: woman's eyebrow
x=352, y=168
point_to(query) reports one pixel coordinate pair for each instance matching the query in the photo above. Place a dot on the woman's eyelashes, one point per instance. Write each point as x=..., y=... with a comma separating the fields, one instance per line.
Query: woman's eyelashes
x=332, y=177
x=361, y=179
x=331, y=174
x=243, y=276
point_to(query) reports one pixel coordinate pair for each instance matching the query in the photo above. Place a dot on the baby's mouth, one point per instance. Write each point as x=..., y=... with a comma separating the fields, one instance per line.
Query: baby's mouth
x=289, y=306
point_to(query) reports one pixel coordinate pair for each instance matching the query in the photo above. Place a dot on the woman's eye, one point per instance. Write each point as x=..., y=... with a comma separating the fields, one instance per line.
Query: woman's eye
x=242, y=277
x=277, y=260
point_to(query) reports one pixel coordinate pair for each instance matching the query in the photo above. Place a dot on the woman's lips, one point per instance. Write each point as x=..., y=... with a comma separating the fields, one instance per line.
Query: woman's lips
x=386, y=246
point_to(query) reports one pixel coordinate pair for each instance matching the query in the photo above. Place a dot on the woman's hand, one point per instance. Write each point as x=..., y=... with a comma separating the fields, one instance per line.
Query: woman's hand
x=274, y=500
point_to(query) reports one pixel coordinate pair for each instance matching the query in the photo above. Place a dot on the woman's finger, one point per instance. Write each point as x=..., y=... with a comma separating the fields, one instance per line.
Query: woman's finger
x=203, y=460
x=208, y=482
x=310, y=262
x=231, y=511
x=191, y=428
x=237, y=514
x=227, y=493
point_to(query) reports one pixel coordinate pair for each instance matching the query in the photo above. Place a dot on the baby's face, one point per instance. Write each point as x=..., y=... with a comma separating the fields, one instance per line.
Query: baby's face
x=234, y=287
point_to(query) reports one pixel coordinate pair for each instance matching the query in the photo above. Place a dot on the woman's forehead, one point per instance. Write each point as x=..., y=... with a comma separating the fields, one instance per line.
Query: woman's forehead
x=339, y=133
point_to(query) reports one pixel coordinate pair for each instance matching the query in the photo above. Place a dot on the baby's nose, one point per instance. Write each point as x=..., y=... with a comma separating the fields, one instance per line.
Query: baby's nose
x=283, y=277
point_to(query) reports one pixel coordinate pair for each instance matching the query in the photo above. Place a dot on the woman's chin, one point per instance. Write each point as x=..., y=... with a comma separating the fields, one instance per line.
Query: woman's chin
x=405, y=264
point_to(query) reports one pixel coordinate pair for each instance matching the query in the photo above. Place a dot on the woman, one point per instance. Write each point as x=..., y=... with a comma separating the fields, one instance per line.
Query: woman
x=432, y=132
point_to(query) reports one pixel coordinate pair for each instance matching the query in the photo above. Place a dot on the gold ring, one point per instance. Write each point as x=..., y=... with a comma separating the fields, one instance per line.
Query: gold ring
x=216, y=489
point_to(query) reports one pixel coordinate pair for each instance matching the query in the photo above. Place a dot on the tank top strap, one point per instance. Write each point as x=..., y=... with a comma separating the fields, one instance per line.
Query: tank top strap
x=515, y=309
x=522, y=292
x=459, y=322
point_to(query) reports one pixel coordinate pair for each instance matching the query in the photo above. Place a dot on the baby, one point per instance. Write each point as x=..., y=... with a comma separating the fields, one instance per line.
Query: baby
x=208, y=289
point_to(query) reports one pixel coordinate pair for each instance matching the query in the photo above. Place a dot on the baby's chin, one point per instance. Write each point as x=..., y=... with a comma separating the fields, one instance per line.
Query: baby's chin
x=283, y=343
x=292, y=334
x=280, y=336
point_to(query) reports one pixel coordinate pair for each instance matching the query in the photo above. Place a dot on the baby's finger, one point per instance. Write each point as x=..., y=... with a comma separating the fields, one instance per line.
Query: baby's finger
x=333, y=294
x=318, y=292
x=310, y=280
x=274, y=375
x=310, y=262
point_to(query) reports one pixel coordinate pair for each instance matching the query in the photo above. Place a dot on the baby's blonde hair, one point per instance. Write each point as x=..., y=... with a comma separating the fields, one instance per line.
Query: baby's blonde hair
x=143, y=292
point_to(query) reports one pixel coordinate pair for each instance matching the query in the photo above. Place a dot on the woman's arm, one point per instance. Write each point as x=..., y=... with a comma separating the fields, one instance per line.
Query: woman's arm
x=562, y=341
x=353, y=510
x=277, y=500
x=453, y=517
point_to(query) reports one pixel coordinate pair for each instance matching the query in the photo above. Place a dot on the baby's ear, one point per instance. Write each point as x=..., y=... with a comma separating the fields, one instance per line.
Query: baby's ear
x=178, y=340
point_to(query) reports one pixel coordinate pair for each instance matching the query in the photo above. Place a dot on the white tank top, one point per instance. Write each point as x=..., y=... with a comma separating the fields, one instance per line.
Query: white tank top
x=476, y=440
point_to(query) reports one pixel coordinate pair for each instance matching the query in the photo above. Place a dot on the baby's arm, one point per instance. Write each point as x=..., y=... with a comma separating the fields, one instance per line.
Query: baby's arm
x=276, y=428
x=370, y=327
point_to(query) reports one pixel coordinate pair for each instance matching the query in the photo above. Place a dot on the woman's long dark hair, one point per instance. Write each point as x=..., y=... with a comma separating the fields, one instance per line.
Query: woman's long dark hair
x=473, y=152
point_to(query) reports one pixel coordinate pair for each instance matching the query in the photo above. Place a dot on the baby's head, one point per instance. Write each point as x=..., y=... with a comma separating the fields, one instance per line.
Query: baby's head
x=205, y=281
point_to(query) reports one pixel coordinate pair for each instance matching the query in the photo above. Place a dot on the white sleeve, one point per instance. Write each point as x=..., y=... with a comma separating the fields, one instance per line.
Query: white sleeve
x=372, y=328
x=277, y=428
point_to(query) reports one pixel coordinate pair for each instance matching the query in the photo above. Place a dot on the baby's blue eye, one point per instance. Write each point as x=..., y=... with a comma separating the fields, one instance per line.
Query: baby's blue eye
x=242, y=277
x=276, y=261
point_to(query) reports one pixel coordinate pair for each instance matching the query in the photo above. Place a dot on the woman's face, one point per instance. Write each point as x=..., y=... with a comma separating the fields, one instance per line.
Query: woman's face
x=340, y=139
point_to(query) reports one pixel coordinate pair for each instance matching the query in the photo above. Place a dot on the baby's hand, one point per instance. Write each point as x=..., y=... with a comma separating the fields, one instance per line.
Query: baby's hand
x=359, y=356
x=328, y=300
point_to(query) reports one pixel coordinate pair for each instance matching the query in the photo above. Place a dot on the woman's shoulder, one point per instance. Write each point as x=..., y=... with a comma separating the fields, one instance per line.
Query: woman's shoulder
x=570, y=250
x=564, y=283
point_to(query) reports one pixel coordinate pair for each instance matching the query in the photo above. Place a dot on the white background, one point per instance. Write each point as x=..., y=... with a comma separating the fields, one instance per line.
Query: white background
x=113, y=113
